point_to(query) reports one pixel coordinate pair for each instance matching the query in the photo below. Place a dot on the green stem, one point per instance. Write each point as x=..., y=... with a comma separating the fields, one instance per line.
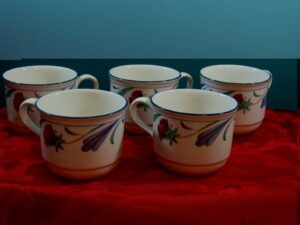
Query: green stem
x=225, y=132
x=83, y=136
x=113, y=133
x=197, y=131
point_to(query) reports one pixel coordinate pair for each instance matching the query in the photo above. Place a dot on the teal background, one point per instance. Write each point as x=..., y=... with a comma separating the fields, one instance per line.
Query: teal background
x=298, y=85
x=149, y=29
x=282, y=95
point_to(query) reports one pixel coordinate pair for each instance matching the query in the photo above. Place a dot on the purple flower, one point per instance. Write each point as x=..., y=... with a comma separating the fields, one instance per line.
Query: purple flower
x=94, y=141
x=209, y=136
x=264, y=102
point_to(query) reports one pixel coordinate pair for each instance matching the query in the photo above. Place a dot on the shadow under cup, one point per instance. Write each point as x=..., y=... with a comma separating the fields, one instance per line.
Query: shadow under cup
x=192, y=129
x=81, y=131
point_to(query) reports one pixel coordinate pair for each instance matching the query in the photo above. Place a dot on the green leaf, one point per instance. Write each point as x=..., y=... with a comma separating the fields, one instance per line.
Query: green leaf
x=124, y=91
x=70, y=131
x=30, y=109
x=156, y=116
x=225, y=132
x=113, y=134
x=256, y=94
x=228, y=92
x=185, y=126
x=9, y=92
x=144, y=106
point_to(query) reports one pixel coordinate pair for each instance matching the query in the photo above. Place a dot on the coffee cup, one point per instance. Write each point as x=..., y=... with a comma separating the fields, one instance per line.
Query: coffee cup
x=192, y=129
x=248, y=85
x=81, y=131
x=133, y=81
x=35, y=81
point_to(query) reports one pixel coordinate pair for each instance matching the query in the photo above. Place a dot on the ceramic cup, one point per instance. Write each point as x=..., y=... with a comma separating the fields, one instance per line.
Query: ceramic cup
x=35, y=81
x=248, y=85
x=192, y=129
x=133, y=81
x=81, y=131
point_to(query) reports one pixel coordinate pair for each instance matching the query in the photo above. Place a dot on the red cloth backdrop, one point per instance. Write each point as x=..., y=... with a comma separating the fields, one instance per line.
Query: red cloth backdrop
x=258, y=186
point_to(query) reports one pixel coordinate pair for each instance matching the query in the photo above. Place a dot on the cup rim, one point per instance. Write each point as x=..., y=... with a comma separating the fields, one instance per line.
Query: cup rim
x=236, y=66
x=6, y=73
x=143, y=65
x=194, y=114
x=81, y=117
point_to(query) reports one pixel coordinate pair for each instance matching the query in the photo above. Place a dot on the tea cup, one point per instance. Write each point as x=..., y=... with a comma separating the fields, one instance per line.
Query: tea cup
x=133, y=81
x=81, y=131
x=248, y=85
x=192, y=129
x=35, y=81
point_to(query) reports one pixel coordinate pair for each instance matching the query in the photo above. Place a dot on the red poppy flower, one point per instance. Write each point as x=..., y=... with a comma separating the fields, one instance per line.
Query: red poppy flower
x=19, y=98
x=239, y=98
x=162, y=128
x=49, y=136
x=134, y=95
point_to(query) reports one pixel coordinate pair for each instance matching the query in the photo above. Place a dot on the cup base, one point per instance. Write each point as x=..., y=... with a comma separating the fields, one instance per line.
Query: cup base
x=191, y=170
x=86, y=174
x=20, y=129
x=244, y=129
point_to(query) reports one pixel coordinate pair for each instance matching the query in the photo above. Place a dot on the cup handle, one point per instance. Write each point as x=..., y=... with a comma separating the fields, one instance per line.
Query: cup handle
x=136, y=117
x=188, y=78
x=87, y=77
x=23, y=112
x=268, y=72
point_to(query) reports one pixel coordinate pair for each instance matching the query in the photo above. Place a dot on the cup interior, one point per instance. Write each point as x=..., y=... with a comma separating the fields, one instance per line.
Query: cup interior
x=39, y=75
x=144, y=73
x=81, y=103
x=235, y=74
x=195, y=102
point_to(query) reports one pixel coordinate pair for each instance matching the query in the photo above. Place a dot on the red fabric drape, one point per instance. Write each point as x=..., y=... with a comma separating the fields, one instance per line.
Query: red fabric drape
x=257, y=186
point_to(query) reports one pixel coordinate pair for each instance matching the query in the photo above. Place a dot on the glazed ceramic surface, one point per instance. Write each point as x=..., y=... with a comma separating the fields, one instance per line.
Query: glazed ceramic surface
x=35, y=81
x=248, y=85
x=192, y=129
x=81, y=131
x=133, y=81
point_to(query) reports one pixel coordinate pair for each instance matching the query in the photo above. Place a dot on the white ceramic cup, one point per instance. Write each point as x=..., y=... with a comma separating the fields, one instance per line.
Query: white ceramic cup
x=248, y=85
x=35, y=81
x=192, y=129
x=81, y=131
x=133, y=81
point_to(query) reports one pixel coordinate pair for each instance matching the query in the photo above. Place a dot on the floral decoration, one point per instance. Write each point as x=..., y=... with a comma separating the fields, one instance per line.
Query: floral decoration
x=52, y=138
x=244, y=103
x=134, y=95
x=204, y=136
x=263, y=102
x=165, y=131
x=92, y=139
x=209, y=136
